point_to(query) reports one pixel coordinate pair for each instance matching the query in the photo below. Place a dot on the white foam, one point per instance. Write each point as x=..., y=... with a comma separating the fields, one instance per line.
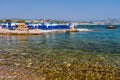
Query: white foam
x=84, y=30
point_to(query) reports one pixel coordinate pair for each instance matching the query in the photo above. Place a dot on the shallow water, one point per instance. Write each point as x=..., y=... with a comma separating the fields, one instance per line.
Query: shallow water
x=100, y=41
x=50, y=52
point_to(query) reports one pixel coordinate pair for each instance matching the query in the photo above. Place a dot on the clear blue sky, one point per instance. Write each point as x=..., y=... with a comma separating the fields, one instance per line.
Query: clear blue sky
x=60, y=9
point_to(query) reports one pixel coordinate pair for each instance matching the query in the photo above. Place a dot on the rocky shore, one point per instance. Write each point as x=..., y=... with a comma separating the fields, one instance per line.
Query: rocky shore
x=37, y=32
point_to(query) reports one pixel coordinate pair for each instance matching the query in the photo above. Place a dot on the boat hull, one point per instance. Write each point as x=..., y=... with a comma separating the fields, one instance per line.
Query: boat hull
x=111, y=27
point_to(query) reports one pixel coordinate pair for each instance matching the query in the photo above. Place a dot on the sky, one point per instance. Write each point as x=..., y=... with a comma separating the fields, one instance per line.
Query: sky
x=60, y=9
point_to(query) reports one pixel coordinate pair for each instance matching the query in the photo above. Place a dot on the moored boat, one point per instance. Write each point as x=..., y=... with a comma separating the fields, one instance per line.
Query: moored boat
x=110, y=27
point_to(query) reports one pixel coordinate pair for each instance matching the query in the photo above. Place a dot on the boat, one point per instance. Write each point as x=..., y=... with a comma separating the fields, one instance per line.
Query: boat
x=110, y=27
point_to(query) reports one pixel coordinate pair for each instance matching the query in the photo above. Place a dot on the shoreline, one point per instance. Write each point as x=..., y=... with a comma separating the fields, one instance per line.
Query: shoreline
x=39, y=32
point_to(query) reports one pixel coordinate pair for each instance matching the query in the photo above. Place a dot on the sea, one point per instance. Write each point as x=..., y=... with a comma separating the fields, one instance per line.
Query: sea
x=100, y=40
x=101, y=45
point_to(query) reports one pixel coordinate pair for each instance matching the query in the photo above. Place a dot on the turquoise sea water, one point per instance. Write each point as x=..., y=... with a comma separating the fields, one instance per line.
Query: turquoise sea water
x=102, y=40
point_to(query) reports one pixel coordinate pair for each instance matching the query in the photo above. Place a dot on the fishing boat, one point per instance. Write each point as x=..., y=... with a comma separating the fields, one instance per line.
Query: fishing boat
x=110, y=27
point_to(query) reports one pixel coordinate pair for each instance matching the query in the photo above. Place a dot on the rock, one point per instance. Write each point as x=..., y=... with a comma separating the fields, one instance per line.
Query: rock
x=29, y=64
x=22, y=27
x=16, y=64
x=72, y=30
x=68, y=65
